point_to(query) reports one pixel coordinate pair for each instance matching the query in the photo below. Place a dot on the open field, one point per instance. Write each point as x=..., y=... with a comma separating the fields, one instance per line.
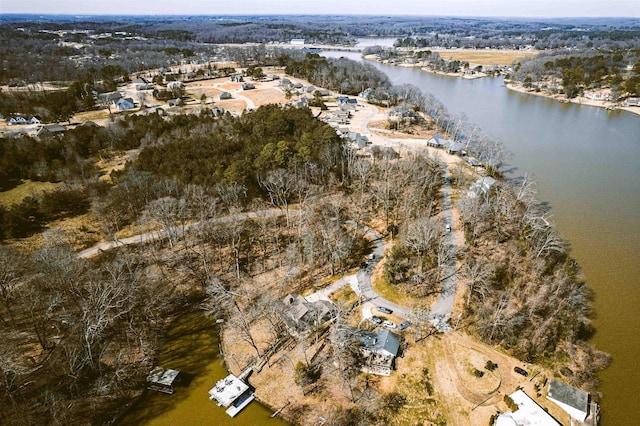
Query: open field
x=486, y=57
x=17, y=194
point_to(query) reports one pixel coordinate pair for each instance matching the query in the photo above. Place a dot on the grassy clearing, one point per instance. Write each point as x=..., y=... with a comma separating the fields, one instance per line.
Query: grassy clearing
x=489, y=57
x=25, y=189
x=345, y=297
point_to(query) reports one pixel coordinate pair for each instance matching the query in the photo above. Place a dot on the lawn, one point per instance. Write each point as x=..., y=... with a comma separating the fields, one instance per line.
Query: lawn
x=486, y=57
x=17, y=194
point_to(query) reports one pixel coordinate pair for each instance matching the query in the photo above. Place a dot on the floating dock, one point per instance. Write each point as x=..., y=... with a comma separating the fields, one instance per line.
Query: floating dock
x=232, y=392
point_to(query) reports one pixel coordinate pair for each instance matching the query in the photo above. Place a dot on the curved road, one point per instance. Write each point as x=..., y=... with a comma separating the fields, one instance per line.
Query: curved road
x=440, y=313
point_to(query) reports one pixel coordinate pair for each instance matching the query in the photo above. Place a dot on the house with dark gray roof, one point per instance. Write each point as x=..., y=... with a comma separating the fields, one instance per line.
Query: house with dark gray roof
x=379, y=348
x=572, y=400
x=51, y=129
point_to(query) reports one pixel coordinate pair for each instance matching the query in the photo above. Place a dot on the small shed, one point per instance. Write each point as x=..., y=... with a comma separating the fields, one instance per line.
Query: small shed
x=162, y=379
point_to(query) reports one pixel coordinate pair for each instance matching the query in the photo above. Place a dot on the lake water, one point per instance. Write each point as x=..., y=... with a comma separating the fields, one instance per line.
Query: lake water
x=587, y=163
x=192, y=348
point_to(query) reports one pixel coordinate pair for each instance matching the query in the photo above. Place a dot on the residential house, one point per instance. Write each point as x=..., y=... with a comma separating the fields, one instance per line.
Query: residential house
x=124, y=104
x=360, y=140
x=529, y=413
x=402, y=112
x=438, y=142
x=225, y=96
x=600, y=95
x=310, y=89
x=298, y=42
x=174, y=102
x=572, y=400
x=482, y=186
x=302, y=103
x=51, y=129
x=302, y=314
x=109, y=98
x=473, y=161
x=631, y=102
x=379, y=348
x=15, y=120
x=248, y=86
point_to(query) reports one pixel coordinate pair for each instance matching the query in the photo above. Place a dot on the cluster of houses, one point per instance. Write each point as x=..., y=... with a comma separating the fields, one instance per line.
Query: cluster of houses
x=450, y=146
x=14, y=120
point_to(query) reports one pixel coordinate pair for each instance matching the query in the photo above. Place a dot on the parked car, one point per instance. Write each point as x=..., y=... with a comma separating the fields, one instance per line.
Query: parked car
x=384, y=310
x=376, y=320
x=520, y=371
x=404, y=325
x=447, y=228
x=389, y=324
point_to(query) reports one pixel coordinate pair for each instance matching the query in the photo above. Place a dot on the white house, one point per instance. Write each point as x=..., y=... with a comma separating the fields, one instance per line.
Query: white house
x=600, y=95
x=528, y=413
x=297, y=42
x=482, y=186
x=572, y=400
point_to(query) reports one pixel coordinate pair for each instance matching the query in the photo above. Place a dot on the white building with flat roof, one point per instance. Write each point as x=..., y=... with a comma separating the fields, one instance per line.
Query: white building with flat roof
x=227, y=390
x=529, y=413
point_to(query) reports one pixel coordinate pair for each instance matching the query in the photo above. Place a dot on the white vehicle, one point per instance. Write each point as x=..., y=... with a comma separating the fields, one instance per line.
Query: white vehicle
x=389, y=324
x=447, y=227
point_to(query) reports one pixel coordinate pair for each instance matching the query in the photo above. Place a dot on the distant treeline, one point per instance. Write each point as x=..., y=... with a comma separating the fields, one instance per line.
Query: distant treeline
x=342, y=75
x=578, y=71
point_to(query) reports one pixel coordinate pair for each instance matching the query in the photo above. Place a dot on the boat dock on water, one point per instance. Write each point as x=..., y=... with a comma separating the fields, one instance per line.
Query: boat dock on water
x=232, y=392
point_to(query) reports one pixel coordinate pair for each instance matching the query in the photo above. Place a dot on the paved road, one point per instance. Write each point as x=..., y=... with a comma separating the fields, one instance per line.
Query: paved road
x=156, y=235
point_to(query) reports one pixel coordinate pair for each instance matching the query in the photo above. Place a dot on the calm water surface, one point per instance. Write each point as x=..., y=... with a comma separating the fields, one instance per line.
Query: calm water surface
x=192, y=347
x=587, y=163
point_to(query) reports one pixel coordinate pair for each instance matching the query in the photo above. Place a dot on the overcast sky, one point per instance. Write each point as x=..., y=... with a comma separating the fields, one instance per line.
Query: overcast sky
x=524, y=8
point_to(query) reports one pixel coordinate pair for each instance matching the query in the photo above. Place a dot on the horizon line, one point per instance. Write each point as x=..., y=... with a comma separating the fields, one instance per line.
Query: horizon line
x=318, y=14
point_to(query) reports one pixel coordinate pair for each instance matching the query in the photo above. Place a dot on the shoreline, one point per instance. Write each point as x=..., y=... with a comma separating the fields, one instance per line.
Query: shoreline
x=579, y=100
x=422, y=66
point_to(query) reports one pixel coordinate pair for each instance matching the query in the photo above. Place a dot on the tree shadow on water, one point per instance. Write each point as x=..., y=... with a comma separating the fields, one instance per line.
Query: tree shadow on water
x=191, y=345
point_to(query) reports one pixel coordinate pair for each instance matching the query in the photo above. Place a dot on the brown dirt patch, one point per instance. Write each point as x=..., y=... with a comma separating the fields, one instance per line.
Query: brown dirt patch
x=232, y=105
x=265, y=96
x=486, y=57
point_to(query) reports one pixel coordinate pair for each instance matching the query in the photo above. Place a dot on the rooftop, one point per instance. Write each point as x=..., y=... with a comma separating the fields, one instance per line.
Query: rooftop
x=162, y=376
x=227, y=390
x=570, y=396
x=528, y=413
